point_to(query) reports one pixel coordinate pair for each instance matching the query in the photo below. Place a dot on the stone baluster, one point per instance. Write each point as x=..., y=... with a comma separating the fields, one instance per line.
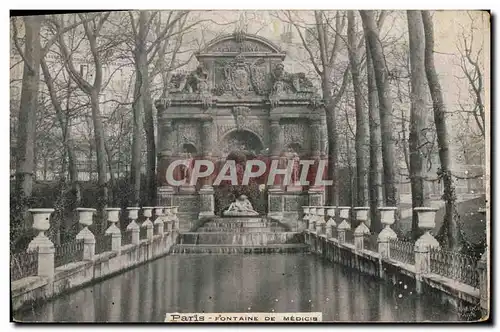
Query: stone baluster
x=148, y=224
x=85, y=216
x=484, y=282
x=312, y=218
x=362, y=229
x=320, y=223
x=306, y=216
x=330, y=224
x=344, y=224
x=45, y=247
x=168, y=218
x=133, y=214
x=159, y=221
x=113, y=230
x=175, y=218
x=387, y=217
x=426, y=222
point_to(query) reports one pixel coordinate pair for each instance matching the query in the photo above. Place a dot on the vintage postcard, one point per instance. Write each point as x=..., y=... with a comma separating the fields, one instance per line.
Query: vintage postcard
x=250, y=166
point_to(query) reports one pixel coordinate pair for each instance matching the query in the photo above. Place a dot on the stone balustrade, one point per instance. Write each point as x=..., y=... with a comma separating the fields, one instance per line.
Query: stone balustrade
x=458, y=278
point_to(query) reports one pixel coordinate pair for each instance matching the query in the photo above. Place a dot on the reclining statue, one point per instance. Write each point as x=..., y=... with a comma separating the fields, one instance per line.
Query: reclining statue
x=240, y=207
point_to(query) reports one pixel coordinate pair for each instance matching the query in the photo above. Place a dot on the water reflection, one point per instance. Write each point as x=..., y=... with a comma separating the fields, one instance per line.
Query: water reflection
x=234, y=283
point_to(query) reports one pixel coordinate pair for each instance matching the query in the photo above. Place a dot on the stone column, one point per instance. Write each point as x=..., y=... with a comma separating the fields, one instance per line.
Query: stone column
x=344, y=224
x=113, y=230
x=362, y=229
x=315, y=130
x=386, y=234
x=426, y=222
x=159, y=222
x=168, y=218
x=207, y=202
x=85, y=234
x=45, y=247
x=276, y=144
x=330, y=224
x=133, y=214
x=147, y=223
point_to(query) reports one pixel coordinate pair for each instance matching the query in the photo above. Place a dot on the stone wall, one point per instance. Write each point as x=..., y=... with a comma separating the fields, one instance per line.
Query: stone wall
x=30, y=290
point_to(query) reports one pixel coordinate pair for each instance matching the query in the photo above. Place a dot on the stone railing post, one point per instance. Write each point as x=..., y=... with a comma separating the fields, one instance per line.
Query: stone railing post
x=133, y=214
x=344, y=224
x=362, y=229
x=306, y=216
x=45, y=247
x=426, y=222
x=159, y=221
x=320, y=223
x=386, y=234
x=85, y=234
x=312, y=218
x=330, y=224
x=113, y=230
x=168, y=218
x=148, y=212
x=484, y=286
x=175, y=218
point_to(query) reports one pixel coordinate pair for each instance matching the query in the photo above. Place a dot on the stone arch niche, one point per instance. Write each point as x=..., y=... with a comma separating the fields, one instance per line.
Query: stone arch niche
x=239, y=94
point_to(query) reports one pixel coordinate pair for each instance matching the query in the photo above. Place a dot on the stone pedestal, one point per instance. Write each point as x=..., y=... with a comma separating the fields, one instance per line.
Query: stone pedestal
x=387, y=218
x=42, y=243
x=207, y=205
x=426, y=222
x=133, y=226
x=484, y=284
x=342, y=228
x=275, y=203
x=85, y=234
x=159, y=222
x=148, y=224
x=165, y=195
x=315, y=196
x=359, y=236
x=113, y=231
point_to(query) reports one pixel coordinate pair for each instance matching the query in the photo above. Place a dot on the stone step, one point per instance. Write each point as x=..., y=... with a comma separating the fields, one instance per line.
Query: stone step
x=241, y=238
x=241, y=229
x=230, y=249
x=236, y=224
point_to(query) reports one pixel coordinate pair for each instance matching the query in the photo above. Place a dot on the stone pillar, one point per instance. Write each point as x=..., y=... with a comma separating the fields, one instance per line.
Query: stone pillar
x=426, y=222
x=113, y=230
x=344, y=224
x=207, y=204
x=386, y=234
x=165, y=195
x=45, y=247
x=320, y=222
x=275, y=203
x=330, y=224
x=315, y=196
x=133, y=214
x=315, y=130
x=175, y=218
x=168, y=218
x=312, y=218
x=305, y=218
x=85, y=234
x=276, y=144
x=159, y=222
x=147, y=223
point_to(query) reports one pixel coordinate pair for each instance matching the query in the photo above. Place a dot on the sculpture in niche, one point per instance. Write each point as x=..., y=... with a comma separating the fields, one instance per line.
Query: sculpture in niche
x=293, y=157
x=240, y=207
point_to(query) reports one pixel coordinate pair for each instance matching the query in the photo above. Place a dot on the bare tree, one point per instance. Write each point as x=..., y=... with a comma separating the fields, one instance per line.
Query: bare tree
x=449, y=232
x=385, y=103
x=417, y=111
x=92, y=31
x=29, y=103
x=362, y=125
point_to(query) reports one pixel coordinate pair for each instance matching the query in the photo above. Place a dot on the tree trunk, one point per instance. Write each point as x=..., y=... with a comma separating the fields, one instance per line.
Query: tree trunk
x=102, y=177
x=27, y=113
x=385, y=104
x=332, y=193
x=362, y=126
x=375, y=174
x=417, y=113
x=449, y=234
x=141, y=80
x=150, y=144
